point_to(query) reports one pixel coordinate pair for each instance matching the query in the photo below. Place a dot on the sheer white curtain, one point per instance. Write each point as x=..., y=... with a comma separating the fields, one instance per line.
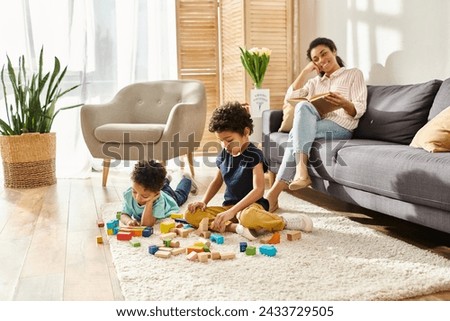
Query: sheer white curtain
x=106, y=44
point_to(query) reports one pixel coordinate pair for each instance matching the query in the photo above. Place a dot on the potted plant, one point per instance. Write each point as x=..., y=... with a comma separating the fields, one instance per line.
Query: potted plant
x=255, y=62
x=28, y=147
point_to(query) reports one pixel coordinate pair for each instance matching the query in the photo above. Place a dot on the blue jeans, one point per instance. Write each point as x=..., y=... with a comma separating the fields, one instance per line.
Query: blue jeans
x=307, y=127
x=181, y=193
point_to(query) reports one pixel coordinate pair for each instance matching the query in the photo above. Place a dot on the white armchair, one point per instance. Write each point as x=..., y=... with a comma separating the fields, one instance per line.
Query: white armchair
x=149, y=120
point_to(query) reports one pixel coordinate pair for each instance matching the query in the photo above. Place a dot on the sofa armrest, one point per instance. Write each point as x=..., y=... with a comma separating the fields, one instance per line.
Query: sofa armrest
x=271, y=121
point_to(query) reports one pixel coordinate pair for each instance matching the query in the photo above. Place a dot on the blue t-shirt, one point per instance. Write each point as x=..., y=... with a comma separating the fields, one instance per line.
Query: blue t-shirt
x=237, y=173
x=162, y=207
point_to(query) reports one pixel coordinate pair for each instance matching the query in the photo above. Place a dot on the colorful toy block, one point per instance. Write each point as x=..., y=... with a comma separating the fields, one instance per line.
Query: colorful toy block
x=274, y=239
x=124, y=236
x=217, y=238
x=99, y=239
x=100, y=223
x=135, y=243
x=294, y=235
x=268, y=250
x=250, y=250
x=152, y=249
x=110, y=231
x=242, y=246
x=118, y=215
x=167, y=242
x=197, y=249
x=166, y=226
x=176, y=215
x=147, y=232
x=112, y=224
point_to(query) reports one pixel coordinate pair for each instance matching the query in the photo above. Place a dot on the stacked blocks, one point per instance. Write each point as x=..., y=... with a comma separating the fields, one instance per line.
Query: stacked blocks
x=166, y=226
x=112, y=227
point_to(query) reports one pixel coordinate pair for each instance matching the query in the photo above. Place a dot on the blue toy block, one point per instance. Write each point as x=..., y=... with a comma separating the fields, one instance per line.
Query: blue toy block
x=187, y=226
x=116, y=230
x=110, y=225
x=242, y=246
x=147, y=231
x=268, y=250
x=217, y=238
x=152, y=249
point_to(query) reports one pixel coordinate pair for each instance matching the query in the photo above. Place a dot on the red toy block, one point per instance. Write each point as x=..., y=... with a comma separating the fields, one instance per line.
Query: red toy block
x=124, y=236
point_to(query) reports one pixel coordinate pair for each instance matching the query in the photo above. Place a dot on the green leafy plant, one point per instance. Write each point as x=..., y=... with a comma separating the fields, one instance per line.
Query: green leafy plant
x=255, y=62
x=35, y=98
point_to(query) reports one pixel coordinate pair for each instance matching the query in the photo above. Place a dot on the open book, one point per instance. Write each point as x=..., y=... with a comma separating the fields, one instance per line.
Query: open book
x=322, y=105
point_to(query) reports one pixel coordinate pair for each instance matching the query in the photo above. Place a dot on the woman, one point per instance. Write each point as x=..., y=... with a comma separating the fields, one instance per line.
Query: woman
x=347, y=91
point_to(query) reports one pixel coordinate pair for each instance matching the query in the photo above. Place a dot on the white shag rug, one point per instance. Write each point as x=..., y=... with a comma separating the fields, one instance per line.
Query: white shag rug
x=339, y=260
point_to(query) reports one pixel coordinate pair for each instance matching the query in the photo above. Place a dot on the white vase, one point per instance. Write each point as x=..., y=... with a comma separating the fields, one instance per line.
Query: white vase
x=259, y=101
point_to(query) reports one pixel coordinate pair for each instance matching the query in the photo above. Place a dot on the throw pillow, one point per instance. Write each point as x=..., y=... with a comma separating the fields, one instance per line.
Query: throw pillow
x=395, y=113
x=288, y=118
x=435, y=135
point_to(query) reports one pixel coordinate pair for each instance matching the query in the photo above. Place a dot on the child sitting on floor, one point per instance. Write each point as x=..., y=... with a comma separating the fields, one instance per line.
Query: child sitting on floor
x=150, y=196
x=241, y=167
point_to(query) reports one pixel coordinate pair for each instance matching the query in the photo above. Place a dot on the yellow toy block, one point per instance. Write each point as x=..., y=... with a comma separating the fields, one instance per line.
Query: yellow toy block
x=99, y=240
x=166, y=226
x=176, y=215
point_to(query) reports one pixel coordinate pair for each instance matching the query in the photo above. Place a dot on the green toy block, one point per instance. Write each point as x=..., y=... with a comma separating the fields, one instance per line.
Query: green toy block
x=250, y=250
x=135, y=243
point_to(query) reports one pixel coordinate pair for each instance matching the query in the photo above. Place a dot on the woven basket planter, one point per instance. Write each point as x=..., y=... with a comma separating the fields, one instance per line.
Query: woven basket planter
x=29, y=160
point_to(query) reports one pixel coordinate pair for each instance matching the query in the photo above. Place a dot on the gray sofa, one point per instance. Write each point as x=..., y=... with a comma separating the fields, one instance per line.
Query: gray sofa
x=377, y=169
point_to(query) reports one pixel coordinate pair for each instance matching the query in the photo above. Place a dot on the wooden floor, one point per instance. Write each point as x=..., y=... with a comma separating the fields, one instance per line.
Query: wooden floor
x=48, y=237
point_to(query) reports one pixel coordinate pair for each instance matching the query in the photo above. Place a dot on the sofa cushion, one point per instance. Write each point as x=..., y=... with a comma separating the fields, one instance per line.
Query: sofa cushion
x=435, y=135
x=395, y=113
x=288, y=118
x=133, y=133
x=442, y=99
x=396, y=171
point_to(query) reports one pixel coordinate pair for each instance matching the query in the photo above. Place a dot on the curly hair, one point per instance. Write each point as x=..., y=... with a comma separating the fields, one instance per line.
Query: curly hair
x=230, y=116
x=149, y=174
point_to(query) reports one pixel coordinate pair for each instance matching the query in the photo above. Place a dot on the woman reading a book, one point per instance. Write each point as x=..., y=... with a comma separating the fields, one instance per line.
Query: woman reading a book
x=343, y=101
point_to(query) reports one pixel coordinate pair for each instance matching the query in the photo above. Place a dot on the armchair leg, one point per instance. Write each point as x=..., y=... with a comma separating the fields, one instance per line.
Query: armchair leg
x=190, y=159
x=106, y=164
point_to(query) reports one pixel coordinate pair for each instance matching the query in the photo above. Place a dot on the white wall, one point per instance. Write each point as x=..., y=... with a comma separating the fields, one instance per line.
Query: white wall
x=391, y=41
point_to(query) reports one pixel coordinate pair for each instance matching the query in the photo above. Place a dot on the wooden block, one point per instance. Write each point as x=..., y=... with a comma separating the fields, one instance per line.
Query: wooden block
x=204, y=224
x=165, y=248
x=184, y=232
x=166, y=226
x=273, y=239
x=192, y=256
x=165, y=236
x=99, y=239
x=163, y=254
x=250, y=250
x=215, y=255
x=205, y=234
x=202, y=257
x=178, y=251
x=294, y=235
x=174, y=244
x=227, y=255
x=152, y=249
x=100, y=223
x=124, y=236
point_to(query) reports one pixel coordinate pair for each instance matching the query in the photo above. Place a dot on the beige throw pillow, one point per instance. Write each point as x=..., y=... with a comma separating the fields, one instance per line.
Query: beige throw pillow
x=435, y=135
x=288, y=118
